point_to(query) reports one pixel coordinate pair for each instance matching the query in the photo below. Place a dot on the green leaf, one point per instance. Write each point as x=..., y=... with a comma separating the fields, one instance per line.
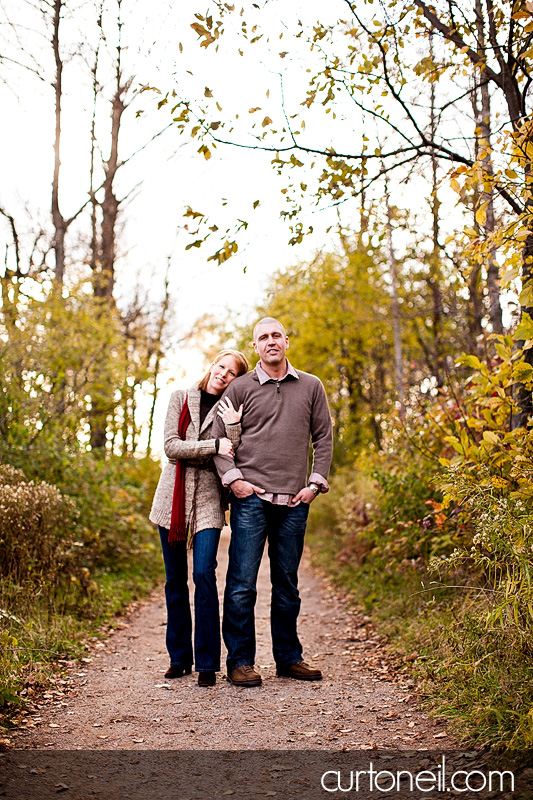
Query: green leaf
x=523, y=372
x=525, y=328
x=470, y=361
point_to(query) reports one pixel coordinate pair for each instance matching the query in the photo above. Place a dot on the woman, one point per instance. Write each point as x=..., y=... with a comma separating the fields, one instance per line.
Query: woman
x=188, y=507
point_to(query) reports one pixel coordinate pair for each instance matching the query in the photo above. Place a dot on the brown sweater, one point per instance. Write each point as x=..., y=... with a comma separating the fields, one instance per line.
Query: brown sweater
x=280, y=419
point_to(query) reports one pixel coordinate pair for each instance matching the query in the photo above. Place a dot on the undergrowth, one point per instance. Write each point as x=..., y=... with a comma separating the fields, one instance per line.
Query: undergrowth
x=475, y=672
x=69, y=565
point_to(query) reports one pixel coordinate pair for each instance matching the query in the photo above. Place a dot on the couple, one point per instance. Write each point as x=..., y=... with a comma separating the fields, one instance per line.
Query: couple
x=258, y=439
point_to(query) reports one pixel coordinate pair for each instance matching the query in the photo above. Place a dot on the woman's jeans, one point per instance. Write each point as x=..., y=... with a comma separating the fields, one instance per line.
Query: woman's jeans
x=253, y=521
x=206, y=613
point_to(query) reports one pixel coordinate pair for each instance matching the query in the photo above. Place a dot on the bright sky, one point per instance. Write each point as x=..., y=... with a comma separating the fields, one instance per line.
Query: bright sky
x=169, y=174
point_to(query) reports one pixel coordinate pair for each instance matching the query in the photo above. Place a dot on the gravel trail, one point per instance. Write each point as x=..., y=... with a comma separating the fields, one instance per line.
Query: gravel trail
x=120, y=699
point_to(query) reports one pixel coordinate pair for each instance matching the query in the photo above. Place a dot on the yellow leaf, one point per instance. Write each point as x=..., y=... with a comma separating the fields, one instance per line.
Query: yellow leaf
x=490, y=437
x=499, y=483
x=266, y=121
x=470, y=361
x=481, y=215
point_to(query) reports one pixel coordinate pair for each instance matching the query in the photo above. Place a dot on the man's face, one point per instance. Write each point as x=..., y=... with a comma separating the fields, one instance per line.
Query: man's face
x=271, y=344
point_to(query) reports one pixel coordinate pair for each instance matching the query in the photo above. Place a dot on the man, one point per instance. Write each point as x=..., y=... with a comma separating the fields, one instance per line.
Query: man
x=283, y=411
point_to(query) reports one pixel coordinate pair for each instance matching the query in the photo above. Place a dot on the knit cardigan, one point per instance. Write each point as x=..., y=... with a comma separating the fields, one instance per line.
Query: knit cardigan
x=204, y=507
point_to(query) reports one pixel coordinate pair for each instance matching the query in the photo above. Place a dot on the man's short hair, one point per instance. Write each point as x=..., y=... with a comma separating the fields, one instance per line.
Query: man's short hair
x=265, y=321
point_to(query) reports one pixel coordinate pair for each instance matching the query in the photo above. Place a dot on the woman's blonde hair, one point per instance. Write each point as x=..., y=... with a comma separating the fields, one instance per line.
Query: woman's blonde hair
x=242, y=365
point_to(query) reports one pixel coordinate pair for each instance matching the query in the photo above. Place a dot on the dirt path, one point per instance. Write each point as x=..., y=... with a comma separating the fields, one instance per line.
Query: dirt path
x=120, y=699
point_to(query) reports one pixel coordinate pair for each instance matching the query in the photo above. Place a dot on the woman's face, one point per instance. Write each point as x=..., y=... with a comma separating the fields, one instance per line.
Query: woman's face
x=221, y=375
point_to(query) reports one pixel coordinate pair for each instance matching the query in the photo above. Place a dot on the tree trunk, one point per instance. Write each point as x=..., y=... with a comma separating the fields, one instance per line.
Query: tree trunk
x=396, y=322
x=104, y=275
x=159, y=355
x=483, y=121
x=60, y=224
x=522, y=395
x=435, y=272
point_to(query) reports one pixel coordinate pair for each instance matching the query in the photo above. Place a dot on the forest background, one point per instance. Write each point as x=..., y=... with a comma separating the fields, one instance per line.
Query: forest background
x=177, y=158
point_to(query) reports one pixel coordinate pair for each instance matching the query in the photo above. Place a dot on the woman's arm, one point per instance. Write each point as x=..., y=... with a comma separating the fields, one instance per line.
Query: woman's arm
x=232, y=420
x=188, y=449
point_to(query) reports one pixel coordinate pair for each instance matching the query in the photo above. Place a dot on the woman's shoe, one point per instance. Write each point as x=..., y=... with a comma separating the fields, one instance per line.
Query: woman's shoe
x=207, y=678
x=176, y=671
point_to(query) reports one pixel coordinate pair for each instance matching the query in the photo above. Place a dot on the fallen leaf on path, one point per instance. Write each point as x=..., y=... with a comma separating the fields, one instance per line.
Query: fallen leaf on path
x=138, y=741
x=440, y=735
x=162, y=686
x=62, y=787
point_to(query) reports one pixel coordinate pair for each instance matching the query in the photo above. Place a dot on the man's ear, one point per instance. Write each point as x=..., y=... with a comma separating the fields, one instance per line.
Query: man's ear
x=287, y=342
x=254, y=346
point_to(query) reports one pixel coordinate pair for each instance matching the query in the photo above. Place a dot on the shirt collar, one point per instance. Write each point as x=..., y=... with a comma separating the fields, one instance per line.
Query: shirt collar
x=263, y=377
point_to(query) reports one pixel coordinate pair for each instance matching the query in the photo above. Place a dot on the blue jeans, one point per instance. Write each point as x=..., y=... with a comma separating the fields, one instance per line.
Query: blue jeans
x=206, y=612
x=253, y=521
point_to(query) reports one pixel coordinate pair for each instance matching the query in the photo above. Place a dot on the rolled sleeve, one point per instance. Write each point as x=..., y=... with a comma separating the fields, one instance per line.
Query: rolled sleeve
x=230, y=476
x=321, y=435
x=320, y=481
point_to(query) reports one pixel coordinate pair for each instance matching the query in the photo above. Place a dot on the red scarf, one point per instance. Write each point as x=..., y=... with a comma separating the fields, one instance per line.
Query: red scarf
x=178, y=525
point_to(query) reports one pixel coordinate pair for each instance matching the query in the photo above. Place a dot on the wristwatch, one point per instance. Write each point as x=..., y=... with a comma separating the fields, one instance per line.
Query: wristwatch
x=314, y=488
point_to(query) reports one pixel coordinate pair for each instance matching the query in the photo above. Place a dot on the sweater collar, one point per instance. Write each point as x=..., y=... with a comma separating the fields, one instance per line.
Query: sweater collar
x=264, y=377
x=193, y=399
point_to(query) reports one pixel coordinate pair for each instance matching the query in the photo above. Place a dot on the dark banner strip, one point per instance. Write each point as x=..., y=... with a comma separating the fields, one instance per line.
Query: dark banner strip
x=257, y=775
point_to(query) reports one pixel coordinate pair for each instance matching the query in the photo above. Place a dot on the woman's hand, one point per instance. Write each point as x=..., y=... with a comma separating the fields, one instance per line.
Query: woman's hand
x=228, y=413
x=225, y=448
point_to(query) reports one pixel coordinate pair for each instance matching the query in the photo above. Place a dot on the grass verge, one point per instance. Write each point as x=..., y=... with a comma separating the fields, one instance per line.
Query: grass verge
x=37, y=636
x=479, y=677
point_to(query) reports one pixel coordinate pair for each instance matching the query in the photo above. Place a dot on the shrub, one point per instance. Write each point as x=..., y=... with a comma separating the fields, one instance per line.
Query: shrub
x=36, y=527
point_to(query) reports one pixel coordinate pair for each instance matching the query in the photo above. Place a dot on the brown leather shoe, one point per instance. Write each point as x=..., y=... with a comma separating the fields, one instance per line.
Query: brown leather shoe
x=177, y=671
x=244, y=675
x=300, y=672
